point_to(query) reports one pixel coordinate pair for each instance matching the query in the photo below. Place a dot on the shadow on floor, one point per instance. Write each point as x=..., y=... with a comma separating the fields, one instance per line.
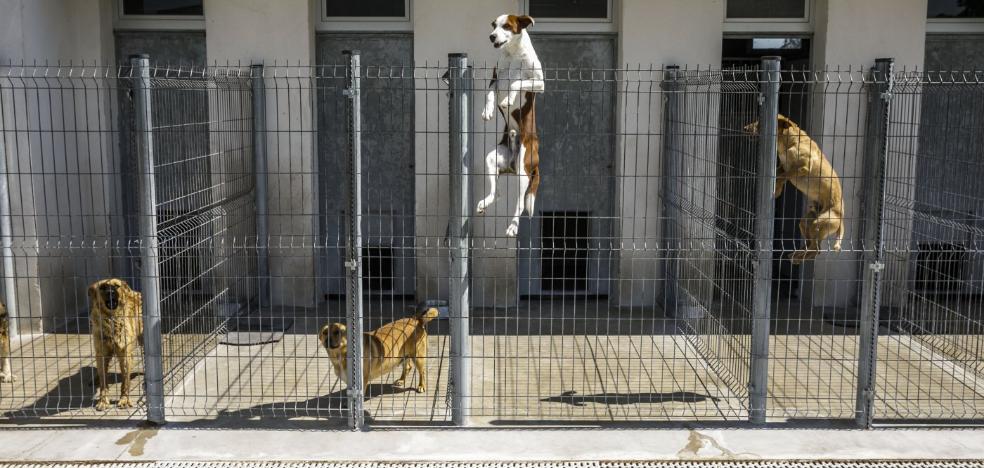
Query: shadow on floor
x=334, y=404
x=573, y=399
x=75, y=392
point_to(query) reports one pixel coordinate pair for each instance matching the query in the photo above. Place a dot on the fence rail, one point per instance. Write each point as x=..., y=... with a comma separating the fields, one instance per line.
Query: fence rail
x=680, y=262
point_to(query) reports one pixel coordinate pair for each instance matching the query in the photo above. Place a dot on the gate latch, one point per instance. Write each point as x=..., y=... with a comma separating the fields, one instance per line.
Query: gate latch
x=876, y=267
x=351, y=264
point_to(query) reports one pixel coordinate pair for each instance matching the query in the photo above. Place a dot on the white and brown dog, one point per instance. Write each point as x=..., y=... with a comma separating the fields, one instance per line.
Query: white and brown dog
x=516, y=80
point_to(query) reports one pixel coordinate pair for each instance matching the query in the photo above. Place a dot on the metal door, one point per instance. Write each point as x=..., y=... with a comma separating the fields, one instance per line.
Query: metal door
x=387, y=99
x=567, y=246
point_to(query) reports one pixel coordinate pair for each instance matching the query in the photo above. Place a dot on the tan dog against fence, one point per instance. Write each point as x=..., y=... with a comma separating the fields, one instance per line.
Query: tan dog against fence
x=383, y=349
x=116, y=323
x=6, y=375
x=805, y=166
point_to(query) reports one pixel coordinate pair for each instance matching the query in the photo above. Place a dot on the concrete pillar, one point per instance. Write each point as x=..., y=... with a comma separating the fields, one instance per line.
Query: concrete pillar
x=855, y=34
x=51, y=284
x=258, y=31
x=464, y=27
x=667, y=32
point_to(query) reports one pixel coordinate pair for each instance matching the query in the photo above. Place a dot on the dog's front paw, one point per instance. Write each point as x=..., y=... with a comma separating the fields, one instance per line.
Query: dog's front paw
x=489, y=112
x=836, y=247
x=102, y=404
x=421, y=388
x=512, y=230
x=400, y=383
x=482, y=205
x=124, y=403
x=8, y=377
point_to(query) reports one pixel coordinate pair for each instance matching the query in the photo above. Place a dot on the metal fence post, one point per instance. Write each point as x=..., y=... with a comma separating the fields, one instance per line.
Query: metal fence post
x=672, y=136
x=353, y=243
x=460, y=155
x=7, y=239
x=765, y=214
x=872, y=266
x=260, y=172
x=149, y=255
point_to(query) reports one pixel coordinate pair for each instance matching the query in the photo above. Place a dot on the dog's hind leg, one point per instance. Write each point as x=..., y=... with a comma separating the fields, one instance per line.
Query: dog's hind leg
x=524, y=185
x=497, y=158
x=532, y=162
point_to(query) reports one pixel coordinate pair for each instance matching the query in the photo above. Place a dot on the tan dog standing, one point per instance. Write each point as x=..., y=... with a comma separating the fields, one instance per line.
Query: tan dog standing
x=388, y=346
x=116, y=324
x=805, y=166
x=6, y=375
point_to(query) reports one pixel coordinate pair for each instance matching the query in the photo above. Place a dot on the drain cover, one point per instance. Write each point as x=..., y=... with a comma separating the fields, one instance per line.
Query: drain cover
x=656, y=464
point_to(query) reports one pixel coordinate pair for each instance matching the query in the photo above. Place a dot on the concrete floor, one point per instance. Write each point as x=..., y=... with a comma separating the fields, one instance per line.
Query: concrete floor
x=516, y=380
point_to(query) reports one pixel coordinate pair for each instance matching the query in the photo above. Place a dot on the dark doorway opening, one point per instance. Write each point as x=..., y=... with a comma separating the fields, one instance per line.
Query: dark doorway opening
x=377, y=269
x=564, y=259
x=794, y=98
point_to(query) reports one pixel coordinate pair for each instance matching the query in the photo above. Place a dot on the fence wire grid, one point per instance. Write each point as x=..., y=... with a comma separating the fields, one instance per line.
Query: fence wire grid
x=657, y=279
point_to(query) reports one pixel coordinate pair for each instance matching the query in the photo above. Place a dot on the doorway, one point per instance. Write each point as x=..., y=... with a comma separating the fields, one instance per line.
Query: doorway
x=739, y=53
x=566, y=247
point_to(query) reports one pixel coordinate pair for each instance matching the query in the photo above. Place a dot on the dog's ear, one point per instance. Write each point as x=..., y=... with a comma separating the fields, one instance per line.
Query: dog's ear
x=323, y=333
x=784, y=122
x=524, y=22
x=94, y=292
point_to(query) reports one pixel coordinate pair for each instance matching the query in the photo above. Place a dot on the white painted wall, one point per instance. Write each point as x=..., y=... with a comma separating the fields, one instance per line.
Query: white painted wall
x=853, y=33
x=56, y=140
x=651, y=32
x=670, y=32
x=282, y=32
x=442, y=27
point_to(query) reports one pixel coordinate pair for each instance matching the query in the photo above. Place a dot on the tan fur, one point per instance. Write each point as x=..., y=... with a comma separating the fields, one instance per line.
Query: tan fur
x=6, y=375
x=115, y=333
x=803, y=164
x=388, y=346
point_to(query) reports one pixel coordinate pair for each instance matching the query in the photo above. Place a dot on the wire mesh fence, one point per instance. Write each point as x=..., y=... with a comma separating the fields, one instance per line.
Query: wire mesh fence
x=343, y=241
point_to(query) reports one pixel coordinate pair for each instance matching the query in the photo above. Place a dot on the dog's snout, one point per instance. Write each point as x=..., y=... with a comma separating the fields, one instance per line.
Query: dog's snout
x=492, y=38
x=111, y=298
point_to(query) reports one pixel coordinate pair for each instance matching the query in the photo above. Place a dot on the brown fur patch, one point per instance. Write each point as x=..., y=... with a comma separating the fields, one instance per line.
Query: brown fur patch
x=518, y=23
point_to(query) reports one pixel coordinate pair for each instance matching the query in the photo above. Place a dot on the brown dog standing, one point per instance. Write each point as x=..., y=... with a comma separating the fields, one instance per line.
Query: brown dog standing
x=116, y=323
x=805, y=166
x=402, y=341
x=6, y=375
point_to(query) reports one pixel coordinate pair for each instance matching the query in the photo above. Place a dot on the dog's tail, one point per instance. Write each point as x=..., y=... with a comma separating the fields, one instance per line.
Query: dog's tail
x=428, y=315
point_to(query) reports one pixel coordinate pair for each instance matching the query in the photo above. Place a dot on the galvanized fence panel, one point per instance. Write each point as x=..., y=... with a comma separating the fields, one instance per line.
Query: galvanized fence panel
x=931, y=348
x=653, y=281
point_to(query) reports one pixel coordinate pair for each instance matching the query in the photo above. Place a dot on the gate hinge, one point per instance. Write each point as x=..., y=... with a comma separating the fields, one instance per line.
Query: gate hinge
x=886, y=96
x=350, y=93
x=351, y=264
x=761, y=99
x=876, y=267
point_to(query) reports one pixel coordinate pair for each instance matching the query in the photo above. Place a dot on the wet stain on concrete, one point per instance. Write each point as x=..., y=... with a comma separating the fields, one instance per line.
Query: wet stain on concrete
x=137, y=438
x=702, y=446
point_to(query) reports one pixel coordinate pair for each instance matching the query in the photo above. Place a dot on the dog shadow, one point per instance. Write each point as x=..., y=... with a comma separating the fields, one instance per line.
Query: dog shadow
x=572, y=398
x=71, y=393
x=334, y=404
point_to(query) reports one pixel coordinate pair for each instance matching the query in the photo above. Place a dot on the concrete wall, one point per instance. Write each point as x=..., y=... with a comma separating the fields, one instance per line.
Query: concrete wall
x=650, y=32
x=462, y=27
x=282, y=32
x=58, y=140
x=852, y=33
x=672, y=32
